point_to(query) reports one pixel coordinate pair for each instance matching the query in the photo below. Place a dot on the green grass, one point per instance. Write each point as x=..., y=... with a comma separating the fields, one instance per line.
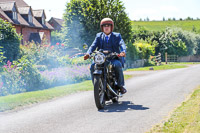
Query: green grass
x=161, y=25
x=185, y=119
x=164, y=66
x=14, y=101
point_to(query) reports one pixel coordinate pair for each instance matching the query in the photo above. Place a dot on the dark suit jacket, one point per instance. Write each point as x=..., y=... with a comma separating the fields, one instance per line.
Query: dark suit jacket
x=115, y=40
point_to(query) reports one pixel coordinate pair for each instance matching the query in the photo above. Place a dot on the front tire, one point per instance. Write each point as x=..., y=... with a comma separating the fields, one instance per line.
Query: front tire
x=99, y=94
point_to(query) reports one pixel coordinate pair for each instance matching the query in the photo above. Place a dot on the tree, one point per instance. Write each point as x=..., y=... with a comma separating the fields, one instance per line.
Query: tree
x=169, y=19
x=189, y=18
x=163, y=18
x=82, y=20
x=9, y=40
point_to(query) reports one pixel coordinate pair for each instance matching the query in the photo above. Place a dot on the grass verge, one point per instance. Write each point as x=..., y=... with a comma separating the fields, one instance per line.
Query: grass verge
x=185, y=119
x=18, y=100
x=164, y=66
x=11, y=102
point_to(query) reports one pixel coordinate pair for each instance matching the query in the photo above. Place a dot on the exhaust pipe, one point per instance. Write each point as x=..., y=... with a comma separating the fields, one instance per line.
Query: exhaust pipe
x=108, y=86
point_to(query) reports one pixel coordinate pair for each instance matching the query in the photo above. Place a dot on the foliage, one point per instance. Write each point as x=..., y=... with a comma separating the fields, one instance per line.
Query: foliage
x=132, y=52
x=144, y=49
x=172, y=44
x=29, y=73
x=191, y=40
x=172, y=40
x=10, y=40
x=82, y=20
x=12, y=81
x=56, y=37
x=80, y=61
x=43, y=54
x=2, y=57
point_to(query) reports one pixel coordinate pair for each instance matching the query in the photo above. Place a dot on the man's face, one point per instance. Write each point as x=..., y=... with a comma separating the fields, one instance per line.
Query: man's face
x=107, y=29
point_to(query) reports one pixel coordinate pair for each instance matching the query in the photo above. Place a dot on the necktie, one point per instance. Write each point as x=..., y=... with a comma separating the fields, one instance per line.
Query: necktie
x=107, y=39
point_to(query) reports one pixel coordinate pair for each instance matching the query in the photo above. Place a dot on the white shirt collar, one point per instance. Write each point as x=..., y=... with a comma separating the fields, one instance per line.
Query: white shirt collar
x=108, y=35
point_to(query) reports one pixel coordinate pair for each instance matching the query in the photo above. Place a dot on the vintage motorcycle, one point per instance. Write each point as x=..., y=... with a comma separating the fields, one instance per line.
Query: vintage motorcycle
x=105, y=81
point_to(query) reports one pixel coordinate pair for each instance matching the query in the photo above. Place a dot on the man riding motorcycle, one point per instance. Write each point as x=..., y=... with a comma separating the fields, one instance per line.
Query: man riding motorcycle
x=111, y=41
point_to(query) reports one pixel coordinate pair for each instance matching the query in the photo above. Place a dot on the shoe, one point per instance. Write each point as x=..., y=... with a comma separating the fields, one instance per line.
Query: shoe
x=123, y=90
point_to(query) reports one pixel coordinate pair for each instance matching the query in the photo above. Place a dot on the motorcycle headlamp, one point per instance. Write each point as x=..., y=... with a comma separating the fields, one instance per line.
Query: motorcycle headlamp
x=99, y=58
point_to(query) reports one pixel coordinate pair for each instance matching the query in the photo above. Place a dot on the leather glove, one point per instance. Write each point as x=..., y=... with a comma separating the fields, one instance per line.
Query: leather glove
x=86, y=56
x=122, y=54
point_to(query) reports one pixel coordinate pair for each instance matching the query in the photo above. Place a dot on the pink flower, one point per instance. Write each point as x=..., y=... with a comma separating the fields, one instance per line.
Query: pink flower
x=46, y=45
x=52, y=47
x=9, y=63
x=62, y=45
x=5, y=66
x=57, y=43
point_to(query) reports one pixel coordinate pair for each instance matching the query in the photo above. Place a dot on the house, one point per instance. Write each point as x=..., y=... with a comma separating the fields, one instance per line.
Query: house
x=29, y=23
x=56, y=23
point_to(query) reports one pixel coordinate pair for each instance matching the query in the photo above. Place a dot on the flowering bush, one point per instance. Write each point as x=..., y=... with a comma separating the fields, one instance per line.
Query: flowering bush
x=29, y=74
x=43, y=54
x=66, y=75
x=11, y=81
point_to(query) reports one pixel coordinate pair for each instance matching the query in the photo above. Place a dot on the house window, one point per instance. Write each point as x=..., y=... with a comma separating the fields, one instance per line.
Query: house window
x=15, y=15
x=43, y=20
x=30, y=18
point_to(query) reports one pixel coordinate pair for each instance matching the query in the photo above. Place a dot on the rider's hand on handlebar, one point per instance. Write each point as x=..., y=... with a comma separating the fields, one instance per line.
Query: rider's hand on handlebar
x=86, y=56
x=122, y=54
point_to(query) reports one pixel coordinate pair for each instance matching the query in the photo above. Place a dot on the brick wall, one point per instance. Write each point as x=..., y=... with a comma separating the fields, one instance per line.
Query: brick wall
x=26, y=32
x=47, y=34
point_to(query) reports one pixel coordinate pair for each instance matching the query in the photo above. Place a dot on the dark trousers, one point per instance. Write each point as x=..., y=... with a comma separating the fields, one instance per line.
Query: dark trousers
x=118, y=71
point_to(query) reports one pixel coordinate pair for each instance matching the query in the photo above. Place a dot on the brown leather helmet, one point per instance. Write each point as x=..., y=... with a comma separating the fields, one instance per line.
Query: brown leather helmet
x=107, y=21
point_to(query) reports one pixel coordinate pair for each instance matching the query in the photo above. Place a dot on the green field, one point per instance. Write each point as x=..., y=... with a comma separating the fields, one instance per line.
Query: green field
x=161, y=25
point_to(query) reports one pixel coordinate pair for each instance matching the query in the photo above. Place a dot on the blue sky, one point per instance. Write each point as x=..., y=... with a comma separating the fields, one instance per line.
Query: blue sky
x=136, y=9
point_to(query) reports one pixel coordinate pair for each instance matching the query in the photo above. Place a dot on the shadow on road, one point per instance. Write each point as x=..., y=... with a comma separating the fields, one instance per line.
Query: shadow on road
x=122, y=107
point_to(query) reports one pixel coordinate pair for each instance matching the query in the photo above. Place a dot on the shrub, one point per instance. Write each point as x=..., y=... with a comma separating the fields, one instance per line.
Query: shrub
x=10, y=40
x=171, y=43
x=144, y=49
x=29, y=73
x=12, y=81
x=1, y=59
x=43, y=54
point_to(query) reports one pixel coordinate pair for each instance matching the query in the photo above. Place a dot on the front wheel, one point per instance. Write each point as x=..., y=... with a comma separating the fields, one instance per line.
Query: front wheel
x=99, y=94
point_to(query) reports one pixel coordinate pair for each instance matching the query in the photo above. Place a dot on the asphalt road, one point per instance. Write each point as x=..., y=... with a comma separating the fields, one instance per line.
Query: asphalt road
x=149, y=100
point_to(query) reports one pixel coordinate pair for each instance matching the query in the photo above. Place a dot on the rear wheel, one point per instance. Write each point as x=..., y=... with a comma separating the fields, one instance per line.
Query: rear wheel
x=99, y=94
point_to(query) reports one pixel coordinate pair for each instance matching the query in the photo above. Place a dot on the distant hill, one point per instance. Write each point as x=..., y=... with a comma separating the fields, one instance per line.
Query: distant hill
x=161, y=25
